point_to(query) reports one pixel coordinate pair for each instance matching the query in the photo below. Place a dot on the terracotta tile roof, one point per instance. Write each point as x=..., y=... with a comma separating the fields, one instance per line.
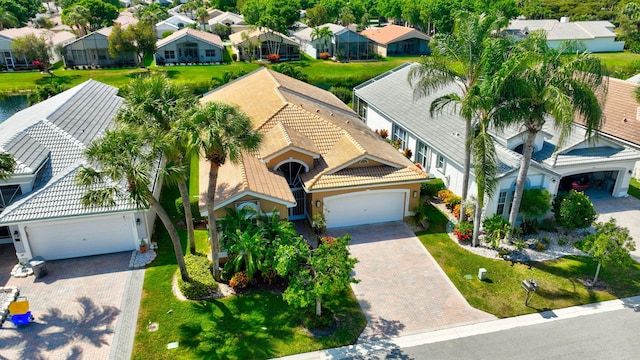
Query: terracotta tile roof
x=202, y=35
x=622, y=111
x=392, y=33
x=293, y=113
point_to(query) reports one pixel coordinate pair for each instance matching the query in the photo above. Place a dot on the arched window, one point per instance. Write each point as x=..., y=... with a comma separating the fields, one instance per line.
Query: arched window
x=291, y=172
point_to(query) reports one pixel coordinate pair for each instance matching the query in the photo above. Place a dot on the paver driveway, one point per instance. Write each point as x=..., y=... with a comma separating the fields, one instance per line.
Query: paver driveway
x=627, y=214
x=402, y=290
x=81, y=310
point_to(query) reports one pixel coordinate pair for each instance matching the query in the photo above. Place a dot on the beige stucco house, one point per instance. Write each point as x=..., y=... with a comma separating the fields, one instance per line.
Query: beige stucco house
x=316, y=156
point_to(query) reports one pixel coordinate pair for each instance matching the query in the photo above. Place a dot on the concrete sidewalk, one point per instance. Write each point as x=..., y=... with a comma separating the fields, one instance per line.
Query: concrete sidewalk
x=365, y=349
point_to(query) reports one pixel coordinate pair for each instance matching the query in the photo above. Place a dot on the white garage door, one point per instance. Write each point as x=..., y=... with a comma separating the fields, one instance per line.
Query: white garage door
x=81, y=238
x=366, y=207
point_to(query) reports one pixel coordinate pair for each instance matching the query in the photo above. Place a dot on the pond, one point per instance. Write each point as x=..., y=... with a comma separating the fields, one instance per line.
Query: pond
x=10, y=105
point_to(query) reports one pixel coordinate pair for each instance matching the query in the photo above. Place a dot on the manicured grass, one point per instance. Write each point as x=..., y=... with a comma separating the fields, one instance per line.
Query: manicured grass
x=503, y=295
x=634, y=188
x=621, y=64
x=258, y=325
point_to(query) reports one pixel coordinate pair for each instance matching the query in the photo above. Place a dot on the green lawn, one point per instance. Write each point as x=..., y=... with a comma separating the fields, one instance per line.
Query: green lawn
x=258, y=325
x=621, y=64
x=503, y=295
x=634, y=188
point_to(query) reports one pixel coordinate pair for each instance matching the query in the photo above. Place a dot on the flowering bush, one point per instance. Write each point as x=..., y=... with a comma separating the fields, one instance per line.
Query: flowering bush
x=463, y=231
x=576, y=211
x=325, y=55
x=444, y=194
x=37, y=64
x=274, y=58
x=239, y=281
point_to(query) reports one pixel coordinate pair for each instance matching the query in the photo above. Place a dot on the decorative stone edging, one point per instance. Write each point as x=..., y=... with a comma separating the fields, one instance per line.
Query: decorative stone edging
x=22, y=270
x=7, y=296
x=140, y=260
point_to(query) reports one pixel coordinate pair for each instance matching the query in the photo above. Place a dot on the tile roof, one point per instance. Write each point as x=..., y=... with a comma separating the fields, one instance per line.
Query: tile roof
x=225, y=17
x=556, y=30
x=237, y=38
x=55, y=133
x=305, y=34
x=289, y=111
x=201, y=35
x=392, y=33
x=53, y=37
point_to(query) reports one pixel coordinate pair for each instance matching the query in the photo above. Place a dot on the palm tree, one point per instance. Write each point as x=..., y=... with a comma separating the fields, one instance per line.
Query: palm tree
x=160, y=107
x=323, y=34
x=7, y=165
x=7, y=19
x=224, y=133
x=457, y=59
x=77, y=16
x=122, y=157
x=538, y=84
x=202, y=14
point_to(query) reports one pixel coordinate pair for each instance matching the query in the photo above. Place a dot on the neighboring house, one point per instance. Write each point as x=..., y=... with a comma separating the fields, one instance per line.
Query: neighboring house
x=438, y=142
x=189, y=46
x=174, y=23
x=259, y=43
x=234, y=21
x=93, y=50
x=316, y=157
x=592, y=36
x=41, y=204
x=344, y=44
x=395, y=40
x=126, y=18
x=211, y=13
x=54, y=40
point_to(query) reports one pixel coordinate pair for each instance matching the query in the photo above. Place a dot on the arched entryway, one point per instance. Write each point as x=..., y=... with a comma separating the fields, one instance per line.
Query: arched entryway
x=291, y=171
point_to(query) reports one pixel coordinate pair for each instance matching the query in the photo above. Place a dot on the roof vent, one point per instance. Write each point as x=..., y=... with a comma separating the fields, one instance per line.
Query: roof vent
x=363, y=162
x=317, y=110
x=331, y=114
x=456, y=134
x=564, y=19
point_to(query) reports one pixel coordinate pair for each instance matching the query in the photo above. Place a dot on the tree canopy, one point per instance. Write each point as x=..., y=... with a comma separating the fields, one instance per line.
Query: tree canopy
x=22, y=10
x=32, y=48
x=277, y=15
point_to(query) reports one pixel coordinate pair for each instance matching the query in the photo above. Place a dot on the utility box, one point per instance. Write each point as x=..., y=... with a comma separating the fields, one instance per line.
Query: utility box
x=482, y=274
x=39, y=266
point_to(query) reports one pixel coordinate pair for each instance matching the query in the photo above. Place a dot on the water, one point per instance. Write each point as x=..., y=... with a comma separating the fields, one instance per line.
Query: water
x=10, y=105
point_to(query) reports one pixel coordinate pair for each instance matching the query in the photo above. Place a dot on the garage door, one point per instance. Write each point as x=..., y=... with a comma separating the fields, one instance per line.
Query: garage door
x=366, y=207
x=81, y=238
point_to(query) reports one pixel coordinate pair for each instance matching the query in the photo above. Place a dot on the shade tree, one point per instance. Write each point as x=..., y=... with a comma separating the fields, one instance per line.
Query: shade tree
x=609, y=245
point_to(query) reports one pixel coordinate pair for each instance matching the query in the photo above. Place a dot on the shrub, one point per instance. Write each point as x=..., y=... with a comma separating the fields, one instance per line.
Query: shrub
x=452, y=200
x=324, y=55
x=548, y=224
x=519, y=244
x=562, y=241
x=407, y=153
x=342, y=93
x=540, y=246
x=274, y=58
x=167, y=34
x=420, y=215
x=240, y=280
x=195, y=209
x=530, y=226
x=503, y=251
x=384, y=133
x=431, y=187
x=577, y=211
x=319, y=223
x=546, y=240
x=463, y=231
x=202, y=283
x=496, y=228
x=444, y=194
x=234, y=57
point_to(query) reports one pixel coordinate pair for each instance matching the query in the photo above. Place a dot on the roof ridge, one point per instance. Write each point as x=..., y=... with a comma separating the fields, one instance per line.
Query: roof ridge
x=356, y=143
x=243, y=172
x=285, y=132
x=278, y=85
x=59, y=130
x=286, y=104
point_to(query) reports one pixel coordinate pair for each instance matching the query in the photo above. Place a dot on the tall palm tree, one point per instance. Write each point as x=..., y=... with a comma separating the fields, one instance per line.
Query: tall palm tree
x=538, y=84
x=123, y=157
x=161, y=107
x=457, y=59
x=7, y=19
x=77, y=16
x=224, y=133
x=7, y=165
x=202, y=14
x=323, y=34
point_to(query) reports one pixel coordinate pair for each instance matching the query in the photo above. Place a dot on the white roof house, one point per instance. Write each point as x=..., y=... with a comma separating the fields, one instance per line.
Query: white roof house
x=593, y=36
x=174, y=23
x=53, y=39
x=41, y=202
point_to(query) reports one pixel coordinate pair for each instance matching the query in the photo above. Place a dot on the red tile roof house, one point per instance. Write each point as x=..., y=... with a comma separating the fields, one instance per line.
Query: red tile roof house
x=395, y=40
x=317, y=156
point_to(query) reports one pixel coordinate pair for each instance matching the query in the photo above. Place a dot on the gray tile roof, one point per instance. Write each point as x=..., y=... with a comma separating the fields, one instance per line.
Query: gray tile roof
x=56, y=132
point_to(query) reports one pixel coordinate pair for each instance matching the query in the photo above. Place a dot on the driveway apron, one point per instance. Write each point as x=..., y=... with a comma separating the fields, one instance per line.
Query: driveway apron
x=78, y=306
x=402, y=290
x=626, y=211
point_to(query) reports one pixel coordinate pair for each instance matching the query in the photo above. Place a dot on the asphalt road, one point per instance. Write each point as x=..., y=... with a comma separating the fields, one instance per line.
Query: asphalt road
x=610, y=335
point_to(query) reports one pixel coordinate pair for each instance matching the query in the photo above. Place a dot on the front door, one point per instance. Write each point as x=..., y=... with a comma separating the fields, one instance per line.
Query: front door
x=292, y=171
x=298, y=212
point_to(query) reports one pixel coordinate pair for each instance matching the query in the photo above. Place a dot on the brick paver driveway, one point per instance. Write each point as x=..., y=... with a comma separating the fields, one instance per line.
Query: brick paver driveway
x=402, y=289
x=627, y=214
x=79, y=310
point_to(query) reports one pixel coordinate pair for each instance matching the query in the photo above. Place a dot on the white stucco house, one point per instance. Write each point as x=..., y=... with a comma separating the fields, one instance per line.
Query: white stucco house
x=54, y=40
x=592, y=36
x=189, y=46
x=234, y=21
x=437, y=143
x=41, y=211
x=174, y=23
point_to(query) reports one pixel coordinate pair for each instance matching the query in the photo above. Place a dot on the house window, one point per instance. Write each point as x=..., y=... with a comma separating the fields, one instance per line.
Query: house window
x=422, y=155
x=7, y=194
x=169, y=54
x=210, y=53
x=441, y=163
x=362, y=108
x=400, y=135
x=502, y=201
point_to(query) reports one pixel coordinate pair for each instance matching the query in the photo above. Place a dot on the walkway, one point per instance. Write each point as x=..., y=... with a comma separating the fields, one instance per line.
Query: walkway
x=402, y=290
x=626, y=211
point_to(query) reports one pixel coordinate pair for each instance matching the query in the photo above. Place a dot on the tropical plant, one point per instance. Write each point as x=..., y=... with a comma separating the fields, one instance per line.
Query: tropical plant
x=7, y=165
x=202, y=14
x=245, y=249
x=496, y=228
x=121, y=162
x=290, y=71
x=535, y=203
x=224, y=132
x=610, y=244
x=77, y=17
x=463, y=231
x=159, y=109
x=576, y=211
x=457, y=59
x=32, y=48
x=7, y=19
x=538, y=83
x=343, y=93
x=43, y=92
x=323, y=35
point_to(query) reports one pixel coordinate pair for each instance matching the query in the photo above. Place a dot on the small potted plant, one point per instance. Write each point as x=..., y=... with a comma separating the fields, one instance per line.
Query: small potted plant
x=143, y=246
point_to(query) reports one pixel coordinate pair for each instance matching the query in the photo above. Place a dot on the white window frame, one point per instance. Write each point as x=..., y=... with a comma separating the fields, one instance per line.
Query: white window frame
x=423, y=154
x=400, y=134
x=441, y=163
